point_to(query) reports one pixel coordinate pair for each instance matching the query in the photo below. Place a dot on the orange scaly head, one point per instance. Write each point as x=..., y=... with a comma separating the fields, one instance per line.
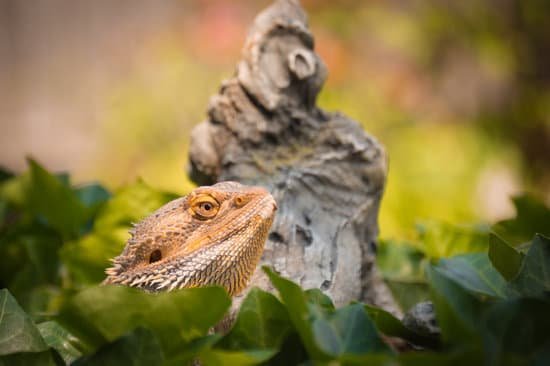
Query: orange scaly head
x=213, y=236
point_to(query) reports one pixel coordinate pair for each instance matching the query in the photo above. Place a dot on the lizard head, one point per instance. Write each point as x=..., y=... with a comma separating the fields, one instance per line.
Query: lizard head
x=213, y=236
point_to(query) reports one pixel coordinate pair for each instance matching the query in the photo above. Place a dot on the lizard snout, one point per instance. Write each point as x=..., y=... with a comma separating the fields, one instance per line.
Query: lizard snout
x=268, y=205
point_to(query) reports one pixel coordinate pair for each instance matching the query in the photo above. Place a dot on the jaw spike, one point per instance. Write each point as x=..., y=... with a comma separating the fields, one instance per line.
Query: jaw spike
x=164, y=284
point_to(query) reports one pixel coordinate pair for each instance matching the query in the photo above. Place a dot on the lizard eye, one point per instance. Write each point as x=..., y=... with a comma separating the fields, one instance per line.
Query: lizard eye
x=205, y=208
x=155, y=256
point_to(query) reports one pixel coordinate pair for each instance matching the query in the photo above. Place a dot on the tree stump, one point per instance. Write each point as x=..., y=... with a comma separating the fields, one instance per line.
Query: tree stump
x=326, y=174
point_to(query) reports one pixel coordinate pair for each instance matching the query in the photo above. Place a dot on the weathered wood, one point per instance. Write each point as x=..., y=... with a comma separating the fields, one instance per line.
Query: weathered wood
x=325, y=172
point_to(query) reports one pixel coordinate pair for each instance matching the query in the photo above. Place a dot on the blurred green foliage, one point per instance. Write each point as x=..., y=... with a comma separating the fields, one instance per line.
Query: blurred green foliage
x=490, y=293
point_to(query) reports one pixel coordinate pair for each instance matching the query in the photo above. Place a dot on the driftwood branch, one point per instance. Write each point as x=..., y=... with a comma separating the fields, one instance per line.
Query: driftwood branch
x=325, y=172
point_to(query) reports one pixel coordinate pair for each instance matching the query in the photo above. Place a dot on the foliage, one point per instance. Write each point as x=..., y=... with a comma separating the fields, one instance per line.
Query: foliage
x=491, y=293
x=532, y=217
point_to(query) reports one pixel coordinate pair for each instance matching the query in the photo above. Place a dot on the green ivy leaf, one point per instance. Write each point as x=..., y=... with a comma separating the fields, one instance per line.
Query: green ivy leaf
x=41, y=250
x=13, y=189
x=457, y=310
x=386, y=322
x=45, y=358
x=296, y=303
x=504, y=258
x=5, y=174
x=516, y=327
x=262, y=323
x=31, y=266
x=190, y=352
x=317, y=297
x=140, y=347
x=217, y=357
x=532, y=217
x=291, y=352
x=475, y=273
x=102, y=314
x=53, y=200
x=347, y=331
x=469, y=356
x=17, y=331
x=4, y=211
x=55, y=336
x=393, y=327
x=534, y=276
x=92, y=195
x=327, y=333
x=370, y=359
x=408, y=293
x=542, y=355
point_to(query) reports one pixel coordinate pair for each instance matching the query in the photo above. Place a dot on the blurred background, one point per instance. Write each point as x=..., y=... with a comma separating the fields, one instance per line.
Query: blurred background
x=457, y=91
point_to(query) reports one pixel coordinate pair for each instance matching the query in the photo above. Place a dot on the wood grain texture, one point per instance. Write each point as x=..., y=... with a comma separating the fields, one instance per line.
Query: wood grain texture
x=326, y=174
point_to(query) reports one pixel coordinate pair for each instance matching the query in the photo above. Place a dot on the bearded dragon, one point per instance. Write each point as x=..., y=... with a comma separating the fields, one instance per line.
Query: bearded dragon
x=213, y=236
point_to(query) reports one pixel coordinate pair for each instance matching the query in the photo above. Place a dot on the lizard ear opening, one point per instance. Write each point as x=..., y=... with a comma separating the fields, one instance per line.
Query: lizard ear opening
x=155, y=256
